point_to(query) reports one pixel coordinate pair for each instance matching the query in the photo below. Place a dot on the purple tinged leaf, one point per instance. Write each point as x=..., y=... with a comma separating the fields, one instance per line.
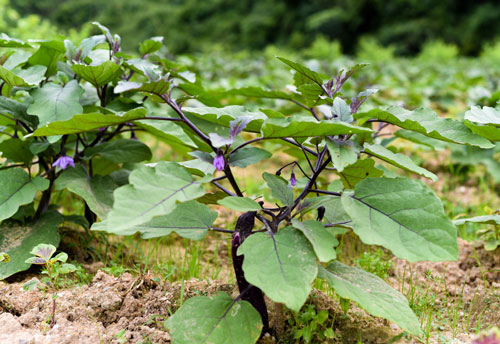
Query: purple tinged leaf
x=219, y=162
x=44, y=251
x=63, y=162
x=237, y=125
x=36, y=260
x=220, y=141
x=357, y=101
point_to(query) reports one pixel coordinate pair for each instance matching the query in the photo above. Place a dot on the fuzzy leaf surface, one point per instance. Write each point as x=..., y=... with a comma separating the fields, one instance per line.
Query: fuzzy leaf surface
x=371, y=293
x=18, y=241
x=398, y=160
x=153, y=191
x=215, y=320
x=16, y=189
x=404, y=216
x=283, y=268
x=427, y=122
x=53, y=103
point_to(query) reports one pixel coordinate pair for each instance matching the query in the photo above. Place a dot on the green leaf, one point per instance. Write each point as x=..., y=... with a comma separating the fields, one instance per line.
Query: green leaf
x=222, y=116
x=311, y=75
x=17, y=241
x=97, y=191
x=98, y=75
x=48, y=55
x=341, y=111
x=11, y=79
x=322, y=239
x=17, y=110
x=283, y=267
x=121, y=150
x=54, y=103
x=488, y=131
x=300, y=126
x=32, y=75
x=397, y=159
x=343, y=153
x=4, y=257
x=216, y=319
x=151, y=45
x=167, y=131
x=152, y=191
x=158, y=87
x=16, y=189
x=358, y=171
x=404, y=216
x=371, y=293
x=9, y=42
x=44, y=251
x=484, y=219
x=16, y=150
x=427, y=122
x=190, y=220
x=240, y=203
x=420, y=139
x=486, y=115
x=89, y=121
x=247, y=156
x=257, y=92
x=279, y=188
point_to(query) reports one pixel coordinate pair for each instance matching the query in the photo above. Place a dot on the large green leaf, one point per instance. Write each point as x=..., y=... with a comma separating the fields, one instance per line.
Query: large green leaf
x=490, y=132
x=11, y=79
x=421, y=139
x=54, y=103
x=371, y=293
x=404, y=216
x=89, y=121
x=279, y=188
x=343, y=153
x=322, y=239
x=16, y=189
x=153, y=191
x=98, y=75
x=16, y=150
x=17, y=110
x=222, y=116
x=190, y=220
x=48, y=54
x=158, y=87
x=151, y=45
x=301, y=126
x=167, y=131
x=19, y=240
x=248, y=156
x=358, y=171
x=121, y=150
x=427, y=122
x=309, y=74
x=283, y=266
x=240, y=203
x=216, y=319
x=486, y=115
x=397, y=159
x=97, y=191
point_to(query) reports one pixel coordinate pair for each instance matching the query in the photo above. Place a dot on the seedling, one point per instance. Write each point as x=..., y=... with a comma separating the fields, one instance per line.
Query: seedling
x=53, y=268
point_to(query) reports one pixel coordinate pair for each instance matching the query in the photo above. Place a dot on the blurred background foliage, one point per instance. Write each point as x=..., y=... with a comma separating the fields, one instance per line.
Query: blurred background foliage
x=334, y=26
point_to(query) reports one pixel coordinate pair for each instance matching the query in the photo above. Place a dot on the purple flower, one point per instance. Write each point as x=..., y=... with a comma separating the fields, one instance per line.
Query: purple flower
x=293, y=180
x=219, y=162
x=64, y=161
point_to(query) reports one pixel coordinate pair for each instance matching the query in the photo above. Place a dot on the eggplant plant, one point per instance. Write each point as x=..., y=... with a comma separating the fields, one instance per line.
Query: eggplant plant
x=71, y=118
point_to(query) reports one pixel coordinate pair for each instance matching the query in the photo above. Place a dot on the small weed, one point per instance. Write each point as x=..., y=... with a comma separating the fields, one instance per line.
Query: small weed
x=375, y=262
x=311, y=325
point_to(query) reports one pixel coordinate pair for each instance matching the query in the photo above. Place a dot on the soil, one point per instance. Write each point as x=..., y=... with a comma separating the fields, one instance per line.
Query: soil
x=132, y=309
